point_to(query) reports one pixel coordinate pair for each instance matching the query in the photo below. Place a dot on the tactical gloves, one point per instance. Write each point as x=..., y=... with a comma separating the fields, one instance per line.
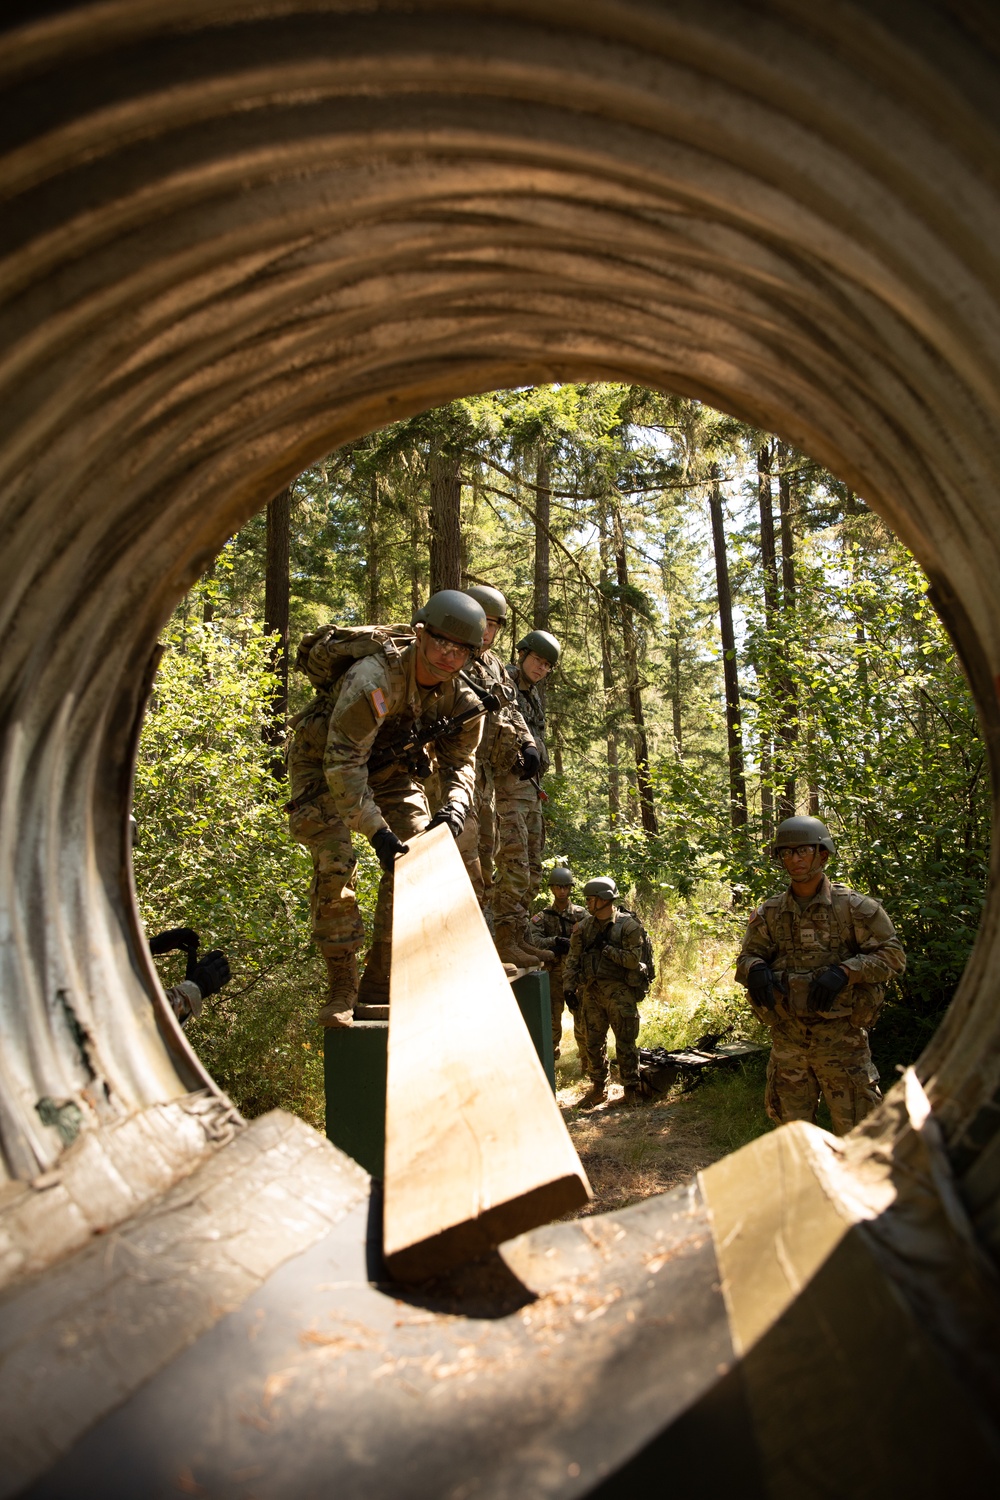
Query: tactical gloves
x=572, y=1000
x=531, y=762
x=174, y=938
x=211, y=973
x=560, y=945
x=449, y=816
x=825, y=988
x=760, y=983
x=388, y=847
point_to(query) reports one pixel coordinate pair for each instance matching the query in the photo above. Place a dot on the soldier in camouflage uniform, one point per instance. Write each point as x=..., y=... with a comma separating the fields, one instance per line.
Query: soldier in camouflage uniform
x=505, y=738
x=367, y=715
x=815, y=961
x=520, y=828
x=551, y=930
x=605, y=975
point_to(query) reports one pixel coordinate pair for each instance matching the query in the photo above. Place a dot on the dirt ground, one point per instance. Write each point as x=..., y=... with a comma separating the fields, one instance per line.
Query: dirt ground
x=630, y=1154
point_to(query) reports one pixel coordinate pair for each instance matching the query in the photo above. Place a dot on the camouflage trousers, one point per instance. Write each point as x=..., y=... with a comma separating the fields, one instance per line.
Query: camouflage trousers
x=604, y=1005
x=520, y=839
x=831, y=1058
x=476, y=839
x=579, y=1034
x=337, y=925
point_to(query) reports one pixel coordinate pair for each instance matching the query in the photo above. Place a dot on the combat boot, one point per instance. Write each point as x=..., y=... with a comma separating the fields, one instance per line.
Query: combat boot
x=598, y=1094
x=374, y=986
x=342, y=990
x=541, y=955
x=633, y=1095
x=510, y=950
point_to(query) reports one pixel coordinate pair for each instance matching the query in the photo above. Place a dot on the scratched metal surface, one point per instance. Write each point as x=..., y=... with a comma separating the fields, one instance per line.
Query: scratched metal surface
x=489, y=1384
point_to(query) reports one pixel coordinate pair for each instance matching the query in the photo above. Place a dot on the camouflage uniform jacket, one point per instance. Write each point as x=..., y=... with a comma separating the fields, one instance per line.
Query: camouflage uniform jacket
x=550, y=924
x=594, y=962
x=837, y=926
x=373, y=707
x=530, y=705
x=504, y=732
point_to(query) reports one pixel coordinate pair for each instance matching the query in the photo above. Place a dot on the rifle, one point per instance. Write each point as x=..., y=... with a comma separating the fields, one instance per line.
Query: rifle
x=412, y=751
x=592, y=953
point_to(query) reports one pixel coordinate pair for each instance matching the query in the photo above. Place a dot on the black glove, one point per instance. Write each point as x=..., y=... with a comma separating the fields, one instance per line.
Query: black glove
x=388, y=847
x=572, y=1000
x=211, y=973
x=825, y=988
x=451, y=817
x=760, y=983
x=175, y=938
x=531, y=762
x=560, y=945
x=170, y=941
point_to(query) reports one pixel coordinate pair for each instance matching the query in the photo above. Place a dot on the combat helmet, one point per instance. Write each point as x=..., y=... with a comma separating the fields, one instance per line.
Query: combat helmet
x=795, y=831
x=493, y=603
x=455, y=615
x=542, y=644
x=602, y=886
x=561, y=875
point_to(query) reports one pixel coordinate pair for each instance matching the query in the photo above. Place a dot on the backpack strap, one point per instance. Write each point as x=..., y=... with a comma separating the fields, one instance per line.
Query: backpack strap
x=394, y=662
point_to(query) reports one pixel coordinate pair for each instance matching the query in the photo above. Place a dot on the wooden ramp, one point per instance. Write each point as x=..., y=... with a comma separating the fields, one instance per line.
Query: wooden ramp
x=475, y=1147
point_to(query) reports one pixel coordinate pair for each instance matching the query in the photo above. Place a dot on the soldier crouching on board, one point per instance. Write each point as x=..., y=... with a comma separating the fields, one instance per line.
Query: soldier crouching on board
x=356, y=762
x=815, y=961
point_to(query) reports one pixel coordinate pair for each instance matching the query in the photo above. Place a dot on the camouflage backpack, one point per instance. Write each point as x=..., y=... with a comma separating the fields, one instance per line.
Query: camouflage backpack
x=325, y=655
x=641, y=978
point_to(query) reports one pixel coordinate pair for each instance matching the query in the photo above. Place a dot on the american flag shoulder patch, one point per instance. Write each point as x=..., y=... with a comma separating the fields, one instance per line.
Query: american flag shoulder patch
x=378, y=702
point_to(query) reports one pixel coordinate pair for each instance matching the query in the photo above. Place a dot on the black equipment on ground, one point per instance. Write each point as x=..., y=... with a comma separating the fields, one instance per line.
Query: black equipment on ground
x=659, y=1069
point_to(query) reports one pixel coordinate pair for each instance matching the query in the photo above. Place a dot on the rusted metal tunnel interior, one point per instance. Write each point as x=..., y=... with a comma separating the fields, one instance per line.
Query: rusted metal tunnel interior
x=235, y=236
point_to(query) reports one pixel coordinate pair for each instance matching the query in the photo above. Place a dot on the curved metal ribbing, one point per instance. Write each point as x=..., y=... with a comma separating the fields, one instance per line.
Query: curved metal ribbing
x=233, y=237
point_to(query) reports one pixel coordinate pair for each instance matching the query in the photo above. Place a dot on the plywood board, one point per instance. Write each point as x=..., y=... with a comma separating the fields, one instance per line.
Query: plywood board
x=476, y=1150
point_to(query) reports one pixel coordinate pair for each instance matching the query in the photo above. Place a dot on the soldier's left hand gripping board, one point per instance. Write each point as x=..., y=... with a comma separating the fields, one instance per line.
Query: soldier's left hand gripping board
x=476, y=1150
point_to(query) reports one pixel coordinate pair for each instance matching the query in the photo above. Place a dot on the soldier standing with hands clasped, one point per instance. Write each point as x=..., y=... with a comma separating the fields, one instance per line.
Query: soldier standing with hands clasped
x=815, y=961
x=607, y=971
x=550, y=931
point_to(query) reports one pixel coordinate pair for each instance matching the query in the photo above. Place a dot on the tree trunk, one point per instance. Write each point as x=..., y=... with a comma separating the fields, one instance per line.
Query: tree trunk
x=276, y=602
x=373, y=561
x=675, y=666
x=630, y=653
x=543, y=504
x=789, y=699
x=416, y=591
x=445, y=473
x=608, y=683
x=208, y=604
x=734, y=736
x=769, y=566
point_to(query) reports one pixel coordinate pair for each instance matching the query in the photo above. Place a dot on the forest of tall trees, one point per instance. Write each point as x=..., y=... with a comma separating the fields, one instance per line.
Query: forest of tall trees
x=743, y=637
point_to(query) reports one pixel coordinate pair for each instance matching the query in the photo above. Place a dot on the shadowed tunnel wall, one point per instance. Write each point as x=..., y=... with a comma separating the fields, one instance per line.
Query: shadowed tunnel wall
x=234, y=237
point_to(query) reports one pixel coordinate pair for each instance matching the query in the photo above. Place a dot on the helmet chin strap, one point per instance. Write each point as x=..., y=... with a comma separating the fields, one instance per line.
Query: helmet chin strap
x=817, y=866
